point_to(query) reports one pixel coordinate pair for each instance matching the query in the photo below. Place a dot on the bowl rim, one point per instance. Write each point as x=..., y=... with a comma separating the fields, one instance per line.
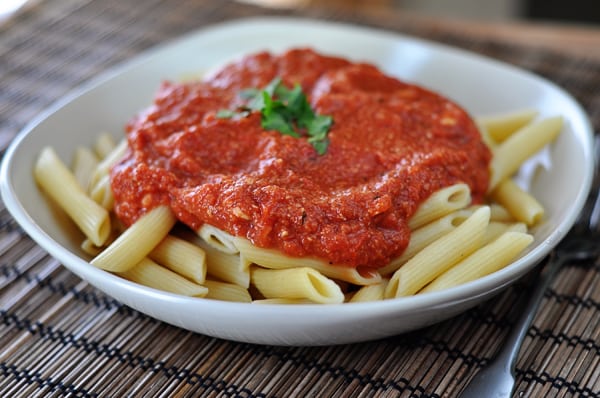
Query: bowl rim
x=480, y=287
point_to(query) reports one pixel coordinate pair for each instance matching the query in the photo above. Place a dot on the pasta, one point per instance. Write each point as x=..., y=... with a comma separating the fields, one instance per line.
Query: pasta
x=425, y=235
x=452, y=240
x=441, y=203
x=182, y=257
x=151, y=274
x=107, y=161
x=273, y=259
x=451, y=243
x=519, y=203
x=227, y=267
x=439, y=256
x=61, y=185
x=218, y=239
x=485, y=260
x=102, y=194
x=227, y=291
x=296, y=283
x=104, y=145
x=520, y=146
x=374, y=292
x=500, y=127
x=83, y=165
x=136, y=242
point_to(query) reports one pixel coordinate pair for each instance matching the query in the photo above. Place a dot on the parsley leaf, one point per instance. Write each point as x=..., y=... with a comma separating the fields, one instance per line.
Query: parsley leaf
x=275, y=116
x=285, y=110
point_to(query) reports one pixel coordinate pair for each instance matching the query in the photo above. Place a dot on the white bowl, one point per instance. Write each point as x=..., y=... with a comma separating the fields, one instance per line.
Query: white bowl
x=481, y=85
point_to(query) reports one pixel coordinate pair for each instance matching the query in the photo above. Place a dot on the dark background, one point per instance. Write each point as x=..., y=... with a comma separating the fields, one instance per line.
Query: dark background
x=587, y=11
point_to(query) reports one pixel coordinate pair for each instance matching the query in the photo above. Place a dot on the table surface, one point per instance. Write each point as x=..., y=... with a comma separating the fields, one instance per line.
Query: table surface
x=61, y=337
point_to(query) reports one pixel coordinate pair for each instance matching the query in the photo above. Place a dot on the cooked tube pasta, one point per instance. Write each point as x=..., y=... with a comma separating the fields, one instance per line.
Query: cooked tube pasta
x=296, y=283
x=500, y=127
x=182, y=257
x=83, y=165
x=495, y=229
x=270, y=258
x=499, y=213
x=226, y=291
x=440, y=203
x=137, y=241
x=451, y=240
x=217, y=238
x=103, y=168
x=226, y=267
x=519, y=203
x=150, y=274
x=425, y=235
x=53, y=176
x=439, y=256
x=102, y=194
x=484, y=261
x=374, y=292
x=104, y=145
x=510, y=154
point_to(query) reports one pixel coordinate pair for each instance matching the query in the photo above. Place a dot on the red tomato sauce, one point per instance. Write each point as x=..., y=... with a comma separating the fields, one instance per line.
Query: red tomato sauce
x=392, y=144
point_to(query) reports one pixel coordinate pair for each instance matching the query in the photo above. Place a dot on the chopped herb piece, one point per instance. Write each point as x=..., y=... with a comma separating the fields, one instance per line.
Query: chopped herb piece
x=225, y=114
x=275, y=116
x=249, y=93
x=320, y=145
x=284, y=110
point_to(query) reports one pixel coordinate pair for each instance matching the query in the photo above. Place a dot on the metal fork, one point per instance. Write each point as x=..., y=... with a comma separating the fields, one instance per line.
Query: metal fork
x=497, y=380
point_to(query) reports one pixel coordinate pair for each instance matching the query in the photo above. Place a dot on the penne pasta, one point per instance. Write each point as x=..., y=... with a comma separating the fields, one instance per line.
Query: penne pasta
x=439, y=256
x=374, y=292
x=484, y=261
x=442, y=202
x=83, y=165
x=217, y=238
x=296, y=283
x=273, y=259
x=499, y=213
x=519, y=203
x=227, y=291
x=426, y=235
x=226, y=267
x=90, y=248
x=510, y=154
x=182, y=257
x=137, y=241
x=500, y=127
x=151, y=274
x=104, y=145
x=495, y=229
x=53, y=176
x=102, y=194
x=456, y=235
x=103, y=168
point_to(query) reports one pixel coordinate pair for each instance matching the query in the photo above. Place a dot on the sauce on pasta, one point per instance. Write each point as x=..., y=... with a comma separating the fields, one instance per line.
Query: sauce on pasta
x=392, y=144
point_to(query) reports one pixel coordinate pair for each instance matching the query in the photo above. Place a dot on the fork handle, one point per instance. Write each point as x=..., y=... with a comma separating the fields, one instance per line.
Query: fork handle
x=514, y=340
x=497, y=379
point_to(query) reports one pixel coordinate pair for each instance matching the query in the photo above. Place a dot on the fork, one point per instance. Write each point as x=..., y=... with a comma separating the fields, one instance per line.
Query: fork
x=497, y=380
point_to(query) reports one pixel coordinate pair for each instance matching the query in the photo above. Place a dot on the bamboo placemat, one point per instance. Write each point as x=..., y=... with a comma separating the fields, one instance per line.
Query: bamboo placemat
x=61, y=337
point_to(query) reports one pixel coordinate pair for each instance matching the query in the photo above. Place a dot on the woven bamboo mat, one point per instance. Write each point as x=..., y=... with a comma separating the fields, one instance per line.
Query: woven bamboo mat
x=61, y=337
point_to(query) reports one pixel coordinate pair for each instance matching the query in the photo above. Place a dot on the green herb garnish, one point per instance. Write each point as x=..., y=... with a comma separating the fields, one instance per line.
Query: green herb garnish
x=285, y=110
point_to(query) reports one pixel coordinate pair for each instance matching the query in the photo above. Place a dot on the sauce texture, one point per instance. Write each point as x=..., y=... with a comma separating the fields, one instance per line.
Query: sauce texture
x=392, y=144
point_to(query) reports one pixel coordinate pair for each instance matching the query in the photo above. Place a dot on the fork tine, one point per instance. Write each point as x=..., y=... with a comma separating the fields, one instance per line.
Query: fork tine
x=594, y=219
x=589, y=218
